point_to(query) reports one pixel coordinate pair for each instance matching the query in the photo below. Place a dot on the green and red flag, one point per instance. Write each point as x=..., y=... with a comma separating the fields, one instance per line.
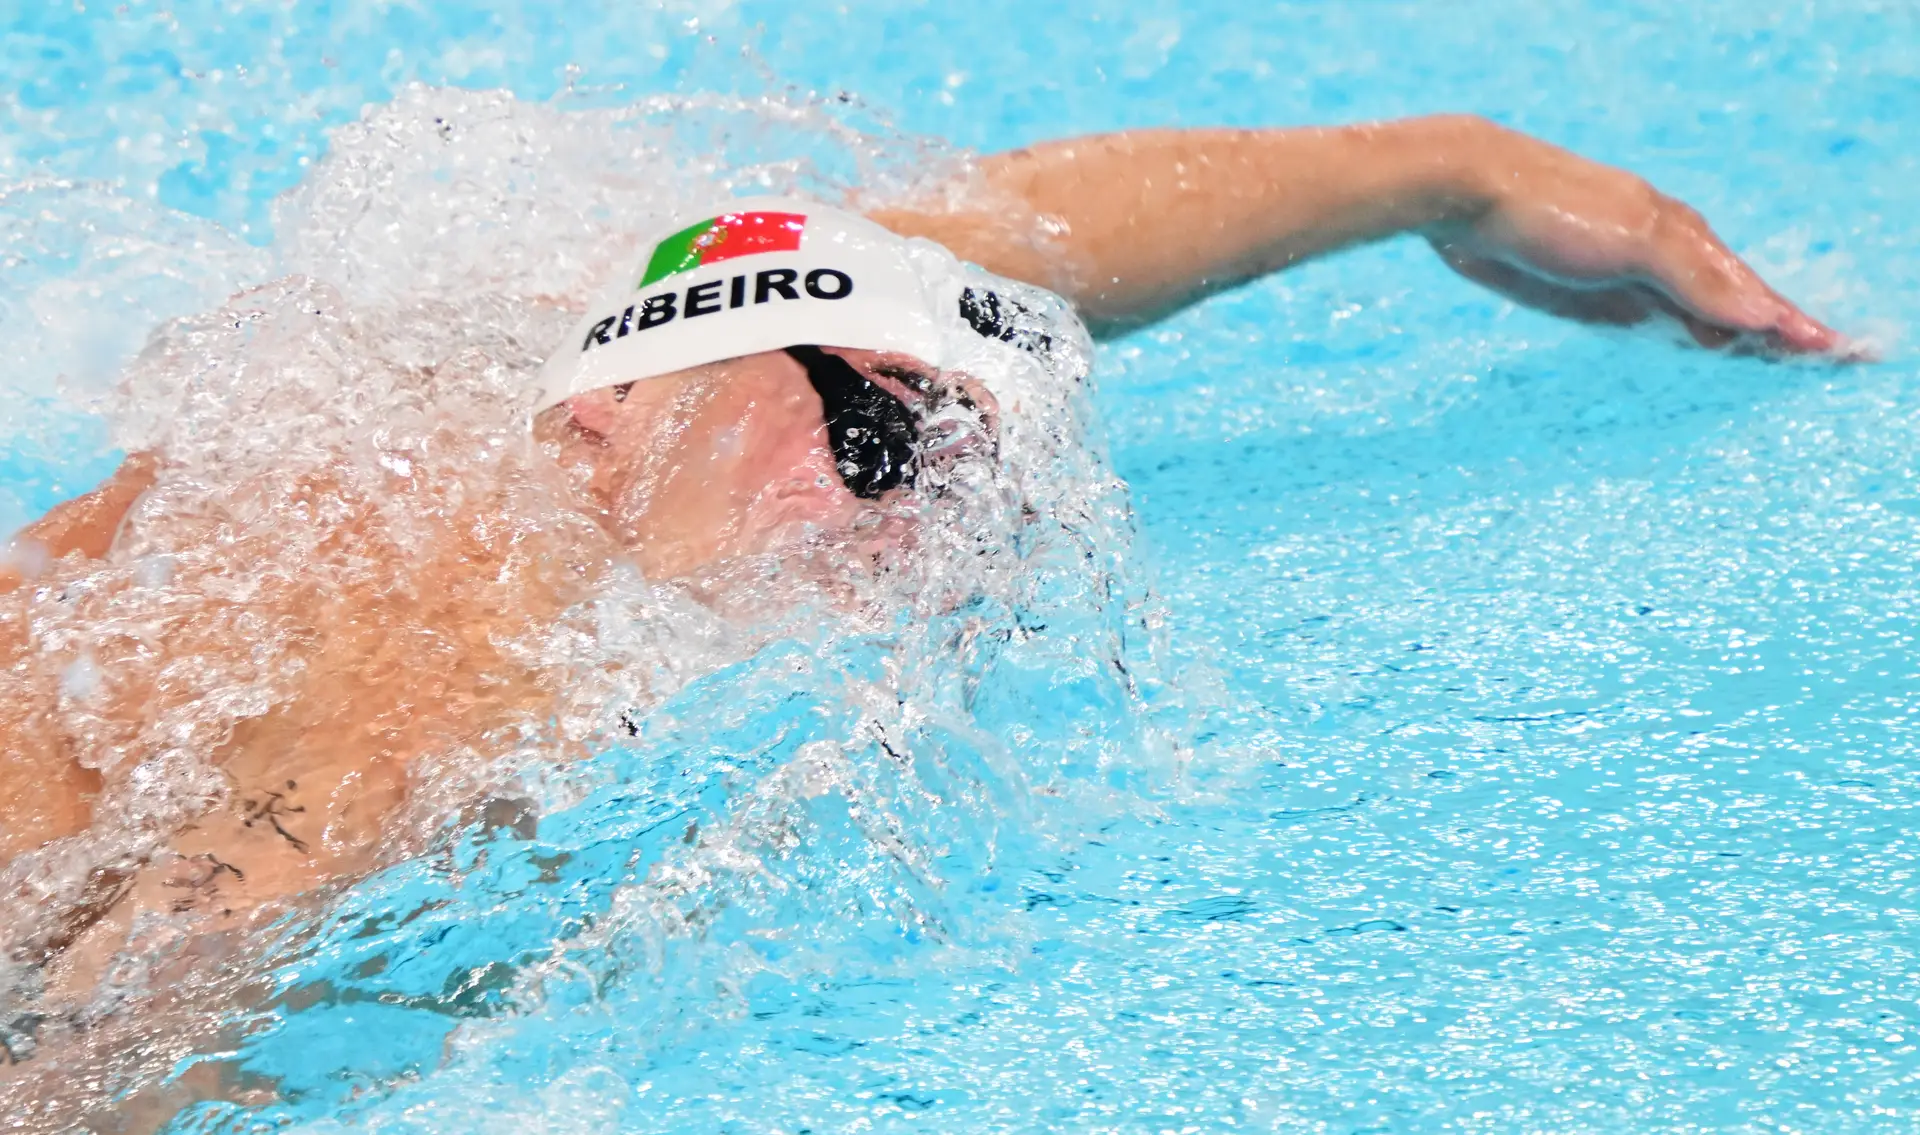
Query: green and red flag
x=723, y=238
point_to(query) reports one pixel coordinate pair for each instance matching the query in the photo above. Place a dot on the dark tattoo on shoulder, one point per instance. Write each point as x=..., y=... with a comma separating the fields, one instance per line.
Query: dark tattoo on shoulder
x=268, y=808
x=201, y=880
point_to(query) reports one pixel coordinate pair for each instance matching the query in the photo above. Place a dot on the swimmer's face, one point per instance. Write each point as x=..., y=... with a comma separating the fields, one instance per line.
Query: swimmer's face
x=727, y=459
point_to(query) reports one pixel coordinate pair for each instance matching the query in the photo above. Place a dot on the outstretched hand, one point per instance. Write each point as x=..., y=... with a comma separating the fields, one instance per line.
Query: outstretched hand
x=1585, y=241
x=1131, y=227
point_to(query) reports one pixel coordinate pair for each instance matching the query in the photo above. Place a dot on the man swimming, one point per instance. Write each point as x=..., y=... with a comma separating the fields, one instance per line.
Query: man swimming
x=773, y=381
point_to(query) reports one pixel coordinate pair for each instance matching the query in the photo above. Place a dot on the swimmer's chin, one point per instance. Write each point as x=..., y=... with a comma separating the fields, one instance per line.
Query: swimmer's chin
x=791, y=516
x=799, y=509
x=794, y=550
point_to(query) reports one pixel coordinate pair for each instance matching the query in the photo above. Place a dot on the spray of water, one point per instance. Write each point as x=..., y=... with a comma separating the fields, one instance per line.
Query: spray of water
x=362, y=609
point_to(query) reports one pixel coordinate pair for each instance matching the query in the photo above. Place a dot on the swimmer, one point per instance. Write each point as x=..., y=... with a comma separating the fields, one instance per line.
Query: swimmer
x=770, y=373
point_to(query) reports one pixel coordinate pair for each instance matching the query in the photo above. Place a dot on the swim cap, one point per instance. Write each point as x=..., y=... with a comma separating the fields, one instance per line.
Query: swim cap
x=767, y=273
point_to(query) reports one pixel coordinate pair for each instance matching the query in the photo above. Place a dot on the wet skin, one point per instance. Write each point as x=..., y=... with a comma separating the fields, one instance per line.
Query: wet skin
x=724, y=460
x=718, y=461
x=677, y=473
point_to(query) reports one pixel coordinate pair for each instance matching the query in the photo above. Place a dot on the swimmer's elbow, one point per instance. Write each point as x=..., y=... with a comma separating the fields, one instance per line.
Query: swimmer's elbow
x=86, y=524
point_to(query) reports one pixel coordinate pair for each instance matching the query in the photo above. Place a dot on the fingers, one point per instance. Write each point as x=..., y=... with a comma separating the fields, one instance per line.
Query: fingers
x=1712, y=286
x=1774, y=341
x=1632, y=304
x=1802, y=333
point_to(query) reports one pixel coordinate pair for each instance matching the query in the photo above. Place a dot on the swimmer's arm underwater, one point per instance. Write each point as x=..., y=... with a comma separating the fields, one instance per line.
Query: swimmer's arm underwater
x=1138, y=224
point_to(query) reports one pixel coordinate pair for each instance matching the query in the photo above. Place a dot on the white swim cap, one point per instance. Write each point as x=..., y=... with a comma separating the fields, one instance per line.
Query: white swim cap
x=766, y=273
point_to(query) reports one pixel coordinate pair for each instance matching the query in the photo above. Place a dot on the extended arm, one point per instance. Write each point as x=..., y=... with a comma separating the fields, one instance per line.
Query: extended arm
x=1135, y=225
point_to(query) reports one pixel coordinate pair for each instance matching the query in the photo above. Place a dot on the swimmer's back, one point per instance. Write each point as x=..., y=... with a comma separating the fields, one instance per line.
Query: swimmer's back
x=344, y=680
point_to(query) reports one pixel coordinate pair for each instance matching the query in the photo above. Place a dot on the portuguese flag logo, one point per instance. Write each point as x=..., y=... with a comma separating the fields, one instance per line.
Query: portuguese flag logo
x=723, y=238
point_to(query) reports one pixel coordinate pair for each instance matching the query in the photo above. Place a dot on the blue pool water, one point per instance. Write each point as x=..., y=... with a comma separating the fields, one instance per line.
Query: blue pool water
x=1533, y=746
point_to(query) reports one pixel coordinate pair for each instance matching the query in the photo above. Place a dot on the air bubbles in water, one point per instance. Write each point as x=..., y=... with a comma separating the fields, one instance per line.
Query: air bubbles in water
x=645, y=794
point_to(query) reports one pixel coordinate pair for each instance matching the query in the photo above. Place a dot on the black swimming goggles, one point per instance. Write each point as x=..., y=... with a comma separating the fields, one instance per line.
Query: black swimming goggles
x=873, y=435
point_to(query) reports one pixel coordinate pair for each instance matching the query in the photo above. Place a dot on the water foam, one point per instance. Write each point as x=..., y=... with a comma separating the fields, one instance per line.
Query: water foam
x=821, y=774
